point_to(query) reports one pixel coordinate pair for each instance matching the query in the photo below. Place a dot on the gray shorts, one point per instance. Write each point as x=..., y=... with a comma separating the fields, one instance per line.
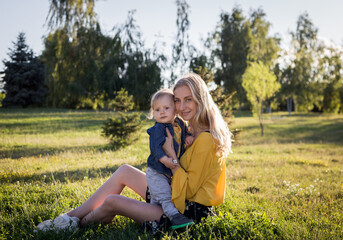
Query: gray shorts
x=160, y=191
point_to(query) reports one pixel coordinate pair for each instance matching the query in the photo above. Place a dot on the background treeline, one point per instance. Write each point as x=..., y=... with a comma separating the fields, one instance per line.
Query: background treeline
x=81, y=67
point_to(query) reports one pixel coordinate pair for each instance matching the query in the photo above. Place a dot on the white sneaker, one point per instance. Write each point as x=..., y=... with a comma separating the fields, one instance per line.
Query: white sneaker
x=62, y=222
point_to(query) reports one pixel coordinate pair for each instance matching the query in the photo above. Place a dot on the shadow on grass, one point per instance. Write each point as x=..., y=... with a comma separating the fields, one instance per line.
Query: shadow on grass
x=19, y=151
x=328, y=131
x=298, y=130
x=238, y=113
x=65, y=176
x=47, y=126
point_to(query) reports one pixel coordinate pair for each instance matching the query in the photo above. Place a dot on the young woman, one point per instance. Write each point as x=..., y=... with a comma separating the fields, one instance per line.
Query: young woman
x=198, y=182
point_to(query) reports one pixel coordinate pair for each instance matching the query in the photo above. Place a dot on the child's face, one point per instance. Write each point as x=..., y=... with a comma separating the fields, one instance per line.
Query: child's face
x=164, y=110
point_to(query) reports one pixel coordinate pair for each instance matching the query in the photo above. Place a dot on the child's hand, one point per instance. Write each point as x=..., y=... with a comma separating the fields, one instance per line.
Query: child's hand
x=168, y=162
x=189, y=140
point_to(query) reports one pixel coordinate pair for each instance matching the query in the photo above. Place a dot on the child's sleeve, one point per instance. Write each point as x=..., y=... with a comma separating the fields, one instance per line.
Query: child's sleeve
x=156, y=141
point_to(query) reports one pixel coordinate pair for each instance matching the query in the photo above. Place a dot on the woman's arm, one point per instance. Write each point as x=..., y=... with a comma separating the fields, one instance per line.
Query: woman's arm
x=202, y=176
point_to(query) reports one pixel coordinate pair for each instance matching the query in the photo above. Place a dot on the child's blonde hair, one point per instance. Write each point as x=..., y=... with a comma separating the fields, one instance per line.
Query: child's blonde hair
x=207, y=114
x=157, y=95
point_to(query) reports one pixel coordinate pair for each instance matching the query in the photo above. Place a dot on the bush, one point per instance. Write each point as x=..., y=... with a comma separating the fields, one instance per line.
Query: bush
x=120, y=130
x=93, y=102
x=2, y=96
x=122, y=101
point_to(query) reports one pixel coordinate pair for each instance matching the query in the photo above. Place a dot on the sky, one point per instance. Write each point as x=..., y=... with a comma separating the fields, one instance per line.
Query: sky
x=157, y=19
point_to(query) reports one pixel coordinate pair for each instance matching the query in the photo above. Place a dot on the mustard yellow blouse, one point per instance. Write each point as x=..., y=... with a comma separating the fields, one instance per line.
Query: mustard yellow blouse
x=201, y=178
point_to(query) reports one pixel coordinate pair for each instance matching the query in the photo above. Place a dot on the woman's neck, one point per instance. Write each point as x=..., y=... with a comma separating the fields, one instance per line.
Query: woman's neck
x=199, y=129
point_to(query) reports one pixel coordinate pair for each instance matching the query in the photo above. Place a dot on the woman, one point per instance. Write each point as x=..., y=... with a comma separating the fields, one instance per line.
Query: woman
x=198, y=185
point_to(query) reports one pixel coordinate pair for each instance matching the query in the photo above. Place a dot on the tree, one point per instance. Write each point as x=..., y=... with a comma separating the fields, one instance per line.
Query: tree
x=332, y=77
x=262, y=48
x=241, y=40
x=71, y=15
x=260, y=84
x=233, y=38
x=182, y=50
x=302, y=77
x=122, y=101
x=24, y=77
x=141, y=74
x=85, y=65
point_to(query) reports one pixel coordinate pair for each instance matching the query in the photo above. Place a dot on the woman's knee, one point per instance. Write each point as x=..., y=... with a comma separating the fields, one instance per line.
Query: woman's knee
x=123, y=169
x=110, y=202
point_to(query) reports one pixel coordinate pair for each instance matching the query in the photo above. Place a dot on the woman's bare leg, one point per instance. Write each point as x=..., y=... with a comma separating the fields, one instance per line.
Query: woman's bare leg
x=120, y=205
x=124, y=176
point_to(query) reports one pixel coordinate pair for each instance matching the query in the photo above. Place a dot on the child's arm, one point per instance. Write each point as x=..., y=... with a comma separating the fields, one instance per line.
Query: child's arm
x=156, y=140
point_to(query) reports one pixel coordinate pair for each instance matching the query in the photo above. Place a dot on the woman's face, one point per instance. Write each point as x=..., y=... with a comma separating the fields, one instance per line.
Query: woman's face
x=185, y=103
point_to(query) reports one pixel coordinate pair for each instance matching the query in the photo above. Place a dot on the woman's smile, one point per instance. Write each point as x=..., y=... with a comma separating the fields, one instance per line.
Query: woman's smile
x=184, y=103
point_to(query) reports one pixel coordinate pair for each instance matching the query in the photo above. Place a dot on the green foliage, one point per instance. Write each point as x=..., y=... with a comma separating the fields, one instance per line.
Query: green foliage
x=80, y=68
x=260, y=84
x=71, y=15
x=2, y=96
x=221, y=98
x=332, y=102
x=241, y=40
x=122, y=101
x=94, y=102
x=120, y=130
x=301, y=82
x=332, y=68
x=24, y=81
x=182, y=50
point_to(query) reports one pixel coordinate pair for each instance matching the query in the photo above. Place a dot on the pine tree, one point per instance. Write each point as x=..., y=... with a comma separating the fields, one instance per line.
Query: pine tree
x=24, y=77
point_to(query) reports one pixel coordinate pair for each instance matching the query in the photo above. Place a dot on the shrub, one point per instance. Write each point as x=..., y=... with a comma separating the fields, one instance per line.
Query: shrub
x=122, y=101
x=93, y=102
x=2, y=96
x=120, y=130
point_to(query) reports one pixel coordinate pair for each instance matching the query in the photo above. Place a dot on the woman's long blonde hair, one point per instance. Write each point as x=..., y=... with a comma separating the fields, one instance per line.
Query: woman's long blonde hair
x=207, y=114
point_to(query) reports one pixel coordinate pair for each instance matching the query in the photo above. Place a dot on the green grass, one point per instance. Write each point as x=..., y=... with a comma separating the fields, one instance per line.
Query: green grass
x=285, y=185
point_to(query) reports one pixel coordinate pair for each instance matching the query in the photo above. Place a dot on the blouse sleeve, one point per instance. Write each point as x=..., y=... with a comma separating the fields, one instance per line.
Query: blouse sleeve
x=199, y=174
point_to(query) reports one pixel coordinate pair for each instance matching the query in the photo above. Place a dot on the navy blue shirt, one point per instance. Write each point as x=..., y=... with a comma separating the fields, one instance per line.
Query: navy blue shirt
x=157, y=139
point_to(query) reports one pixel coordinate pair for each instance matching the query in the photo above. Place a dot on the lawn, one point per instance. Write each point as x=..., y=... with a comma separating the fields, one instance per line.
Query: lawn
x=285, y=185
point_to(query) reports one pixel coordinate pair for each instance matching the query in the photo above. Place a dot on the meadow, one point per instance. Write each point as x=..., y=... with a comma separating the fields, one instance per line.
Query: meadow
x=285, y=185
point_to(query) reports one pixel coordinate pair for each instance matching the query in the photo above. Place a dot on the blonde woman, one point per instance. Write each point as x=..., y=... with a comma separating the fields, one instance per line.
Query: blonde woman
x=198, y=182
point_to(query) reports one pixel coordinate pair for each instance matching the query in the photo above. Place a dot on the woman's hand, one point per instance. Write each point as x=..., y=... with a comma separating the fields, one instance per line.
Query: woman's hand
x=168, y=162
x=168, y=146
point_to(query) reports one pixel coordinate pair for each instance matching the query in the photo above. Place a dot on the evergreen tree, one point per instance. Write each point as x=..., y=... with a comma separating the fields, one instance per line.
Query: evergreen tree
x=24, y=77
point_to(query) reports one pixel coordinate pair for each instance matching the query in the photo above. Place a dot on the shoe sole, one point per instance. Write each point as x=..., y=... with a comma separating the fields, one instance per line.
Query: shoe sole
x=182, y=225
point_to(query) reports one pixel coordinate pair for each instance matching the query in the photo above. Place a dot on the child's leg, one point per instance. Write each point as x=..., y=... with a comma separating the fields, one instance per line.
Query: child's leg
x=160, y=190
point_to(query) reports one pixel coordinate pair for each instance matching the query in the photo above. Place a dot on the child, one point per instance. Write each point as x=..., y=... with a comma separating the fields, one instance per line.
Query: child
x=159, y=176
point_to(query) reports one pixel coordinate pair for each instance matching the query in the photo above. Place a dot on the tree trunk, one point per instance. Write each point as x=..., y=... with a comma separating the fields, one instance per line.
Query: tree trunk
x=261, y=119
x=261, y=126
x=289, y=106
